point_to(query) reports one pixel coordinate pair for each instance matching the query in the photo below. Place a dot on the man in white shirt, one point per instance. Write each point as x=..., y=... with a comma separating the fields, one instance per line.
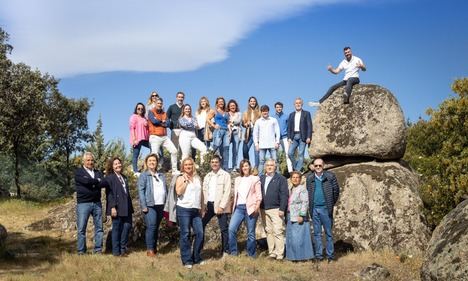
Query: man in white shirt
x=266, y=136
x=351, y=65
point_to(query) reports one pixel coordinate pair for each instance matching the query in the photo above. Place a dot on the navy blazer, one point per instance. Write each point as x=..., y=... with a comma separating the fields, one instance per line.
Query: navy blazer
x=116, y=196
x=305, y=125
x=87, y=188
x=277, y=193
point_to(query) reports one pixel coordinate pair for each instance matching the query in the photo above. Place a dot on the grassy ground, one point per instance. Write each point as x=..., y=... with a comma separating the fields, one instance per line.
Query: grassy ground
x=48, y=255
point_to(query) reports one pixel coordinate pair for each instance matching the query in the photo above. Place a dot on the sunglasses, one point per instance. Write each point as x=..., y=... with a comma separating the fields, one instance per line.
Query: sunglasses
x=317, y=166
x=154, y=96
x=139, y=108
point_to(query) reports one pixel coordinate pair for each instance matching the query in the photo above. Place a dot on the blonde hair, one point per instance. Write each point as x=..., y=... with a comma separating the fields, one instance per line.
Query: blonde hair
x=199, y=109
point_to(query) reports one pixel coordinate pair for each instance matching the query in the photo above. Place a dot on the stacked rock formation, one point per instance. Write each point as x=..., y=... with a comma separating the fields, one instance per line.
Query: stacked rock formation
x=363, y=143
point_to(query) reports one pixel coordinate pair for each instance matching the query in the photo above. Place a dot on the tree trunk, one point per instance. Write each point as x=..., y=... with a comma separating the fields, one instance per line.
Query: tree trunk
x=18, y=188
x=68, y=170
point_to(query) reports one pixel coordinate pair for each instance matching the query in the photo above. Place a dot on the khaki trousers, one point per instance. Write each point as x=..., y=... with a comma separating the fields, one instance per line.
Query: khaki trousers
x=274, y=229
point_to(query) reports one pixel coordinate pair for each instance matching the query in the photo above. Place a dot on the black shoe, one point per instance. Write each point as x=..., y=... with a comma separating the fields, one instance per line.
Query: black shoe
x=331, y=260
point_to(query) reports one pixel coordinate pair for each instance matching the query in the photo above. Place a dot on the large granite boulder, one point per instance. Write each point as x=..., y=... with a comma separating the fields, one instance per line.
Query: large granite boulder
x=446, y=257
x=372, y=125
x=3, y=238
x=379, y=207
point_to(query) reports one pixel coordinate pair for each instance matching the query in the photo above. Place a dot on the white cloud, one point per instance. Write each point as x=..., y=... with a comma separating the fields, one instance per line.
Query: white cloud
x=88, y=36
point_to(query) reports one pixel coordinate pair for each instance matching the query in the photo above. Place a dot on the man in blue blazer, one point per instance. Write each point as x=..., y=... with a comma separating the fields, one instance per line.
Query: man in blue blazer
x=88, y=197
x=273, y=208
x=299, y=133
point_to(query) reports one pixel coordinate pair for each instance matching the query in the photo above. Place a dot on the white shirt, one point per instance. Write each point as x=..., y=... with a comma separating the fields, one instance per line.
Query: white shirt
x=297, y=121
x=212, y=187
x=192, y=196
x=201, y=118
x=90, y=172
x=267, y=181
x=243, y=190
x=350, y=68
x=266, y=132
x=122, y=182
x=159, y=190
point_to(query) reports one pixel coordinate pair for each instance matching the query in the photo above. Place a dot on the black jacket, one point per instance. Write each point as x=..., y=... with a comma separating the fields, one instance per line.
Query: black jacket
x=331, y=190
x=277, y=193
x=305, y=125
x=87, y=188
x=116, y=196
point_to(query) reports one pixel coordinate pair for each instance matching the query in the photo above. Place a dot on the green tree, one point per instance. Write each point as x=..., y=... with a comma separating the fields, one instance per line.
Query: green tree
x=438, y=150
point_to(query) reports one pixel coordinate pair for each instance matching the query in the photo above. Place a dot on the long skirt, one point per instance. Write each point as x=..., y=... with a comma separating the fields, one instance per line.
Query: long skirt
x=298, y=241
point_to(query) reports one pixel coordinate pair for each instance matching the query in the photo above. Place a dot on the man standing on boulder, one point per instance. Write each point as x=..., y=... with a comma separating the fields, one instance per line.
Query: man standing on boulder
x=323, y=191
x=351, y=65
x=88, y=197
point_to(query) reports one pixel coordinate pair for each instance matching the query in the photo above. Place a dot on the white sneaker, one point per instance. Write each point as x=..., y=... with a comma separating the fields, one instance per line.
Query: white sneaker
x=313, y=104
x=202, y=263
x=136, y=174
x=188, y=266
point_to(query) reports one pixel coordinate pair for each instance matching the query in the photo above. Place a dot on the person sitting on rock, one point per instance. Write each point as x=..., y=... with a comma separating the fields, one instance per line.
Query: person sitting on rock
x=323, y=191
x=351, y=65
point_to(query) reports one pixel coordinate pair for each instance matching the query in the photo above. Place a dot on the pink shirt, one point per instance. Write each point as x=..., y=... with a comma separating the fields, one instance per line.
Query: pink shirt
x=138, y=128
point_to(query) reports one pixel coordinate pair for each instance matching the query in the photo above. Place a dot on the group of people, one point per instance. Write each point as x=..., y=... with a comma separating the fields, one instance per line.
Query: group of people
x=191, y=202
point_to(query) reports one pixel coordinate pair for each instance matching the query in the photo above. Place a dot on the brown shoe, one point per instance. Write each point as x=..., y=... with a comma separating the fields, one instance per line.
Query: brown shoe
x=150, y=253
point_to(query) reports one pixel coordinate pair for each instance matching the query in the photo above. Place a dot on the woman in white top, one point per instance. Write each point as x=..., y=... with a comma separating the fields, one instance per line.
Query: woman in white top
x=188, y=208
x=201, y=113
x=151, y=102
x=152, y=192
x=187, y=137
x=247, y=199
x=234, y=130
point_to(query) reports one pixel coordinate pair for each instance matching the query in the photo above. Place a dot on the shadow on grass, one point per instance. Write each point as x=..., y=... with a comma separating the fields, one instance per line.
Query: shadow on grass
x=32, y=253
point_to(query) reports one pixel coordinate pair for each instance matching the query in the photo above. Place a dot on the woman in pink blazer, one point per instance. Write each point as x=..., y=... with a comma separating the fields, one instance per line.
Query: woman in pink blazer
x=247, y=198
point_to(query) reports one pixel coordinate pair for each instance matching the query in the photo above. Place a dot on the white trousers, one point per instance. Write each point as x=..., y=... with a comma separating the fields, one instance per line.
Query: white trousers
x=157, y=141
x=187, y=140
x=285, y=145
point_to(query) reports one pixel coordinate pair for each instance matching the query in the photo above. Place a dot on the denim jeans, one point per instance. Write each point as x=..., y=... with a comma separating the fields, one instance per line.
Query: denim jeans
x=320, y=217
x=152, y=220
x=349, y=87
x=121, y=227
x=187, y=217
x=239, y=215
x=223, y=226
x=221, y=142
x=136, y=153
x=246, y=149
x=262, y=155
x=235, y=149
x=83, y=211
x=297, y=143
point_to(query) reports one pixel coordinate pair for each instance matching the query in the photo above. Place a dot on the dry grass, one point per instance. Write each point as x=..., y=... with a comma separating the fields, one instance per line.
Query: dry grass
x=48, y=256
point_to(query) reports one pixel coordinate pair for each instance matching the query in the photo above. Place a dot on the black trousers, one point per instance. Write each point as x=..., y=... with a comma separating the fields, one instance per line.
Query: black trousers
x=223, y=226
x=349, y=88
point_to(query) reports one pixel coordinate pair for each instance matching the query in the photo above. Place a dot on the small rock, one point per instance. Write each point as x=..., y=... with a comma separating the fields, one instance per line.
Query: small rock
x=374, y=272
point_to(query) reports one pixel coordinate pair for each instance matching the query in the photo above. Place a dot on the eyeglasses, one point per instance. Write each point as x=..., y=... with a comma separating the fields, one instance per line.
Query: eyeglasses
x=317, y=166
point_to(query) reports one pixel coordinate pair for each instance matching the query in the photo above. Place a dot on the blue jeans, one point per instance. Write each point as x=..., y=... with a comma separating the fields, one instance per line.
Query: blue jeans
x=235, y=149
x=136, y=153
x=121, y=227
x=262, y=155
x=221, y=142
x=348, y=89
x=152, y=220
x=298, y=161
x=246, y=149
x=83, y=211
x=239, y=215
x=320, y=217
x=187, y=217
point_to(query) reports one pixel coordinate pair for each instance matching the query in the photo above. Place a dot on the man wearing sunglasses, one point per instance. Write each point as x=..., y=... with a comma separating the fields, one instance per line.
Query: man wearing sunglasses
x=323, y=191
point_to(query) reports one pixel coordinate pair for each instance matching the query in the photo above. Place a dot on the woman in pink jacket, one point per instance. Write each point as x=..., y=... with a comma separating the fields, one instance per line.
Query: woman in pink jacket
x=247, y=198
x=138, y=133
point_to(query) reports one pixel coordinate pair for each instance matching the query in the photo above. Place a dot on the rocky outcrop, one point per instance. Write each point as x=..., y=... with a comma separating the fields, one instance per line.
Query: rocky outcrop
x=447, y=254
x=3, y=238
x=373, y=272
x=372, y=125
x=379, y=207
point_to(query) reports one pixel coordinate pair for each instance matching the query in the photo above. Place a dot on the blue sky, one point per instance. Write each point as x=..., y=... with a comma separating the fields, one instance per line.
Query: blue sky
x=115, y=53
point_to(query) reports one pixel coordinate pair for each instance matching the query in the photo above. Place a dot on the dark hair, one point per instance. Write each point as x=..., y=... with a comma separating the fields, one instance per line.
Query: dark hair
x=279, y=103
x=256, y=102
x=183, y=109
x=224, y=101
x=182, y=93
x=234, y=102
x=346, y=48
x=142, y=112
x=148, y=157
x=216, y=156
x=264, y=108
x=110, y=164
x=242, y=164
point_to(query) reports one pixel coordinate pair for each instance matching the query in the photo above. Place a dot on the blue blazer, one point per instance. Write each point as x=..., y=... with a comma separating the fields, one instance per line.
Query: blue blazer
x=305, y=125
x=116, y=196
x=88, y=189
x=277, y=193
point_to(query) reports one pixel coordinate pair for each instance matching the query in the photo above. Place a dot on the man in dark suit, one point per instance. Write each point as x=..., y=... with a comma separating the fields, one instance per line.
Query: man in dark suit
x=299, y=133
x=275, y=195
x=88, y=197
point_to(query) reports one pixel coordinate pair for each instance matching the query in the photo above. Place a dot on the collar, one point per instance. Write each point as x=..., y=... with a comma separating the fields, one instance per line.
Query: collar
x=319, y=177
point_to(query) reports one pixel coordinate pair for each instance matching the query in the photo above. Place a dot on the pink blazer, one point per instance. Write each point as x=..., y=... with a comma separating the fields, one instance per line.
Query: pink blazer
x=254, y=197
